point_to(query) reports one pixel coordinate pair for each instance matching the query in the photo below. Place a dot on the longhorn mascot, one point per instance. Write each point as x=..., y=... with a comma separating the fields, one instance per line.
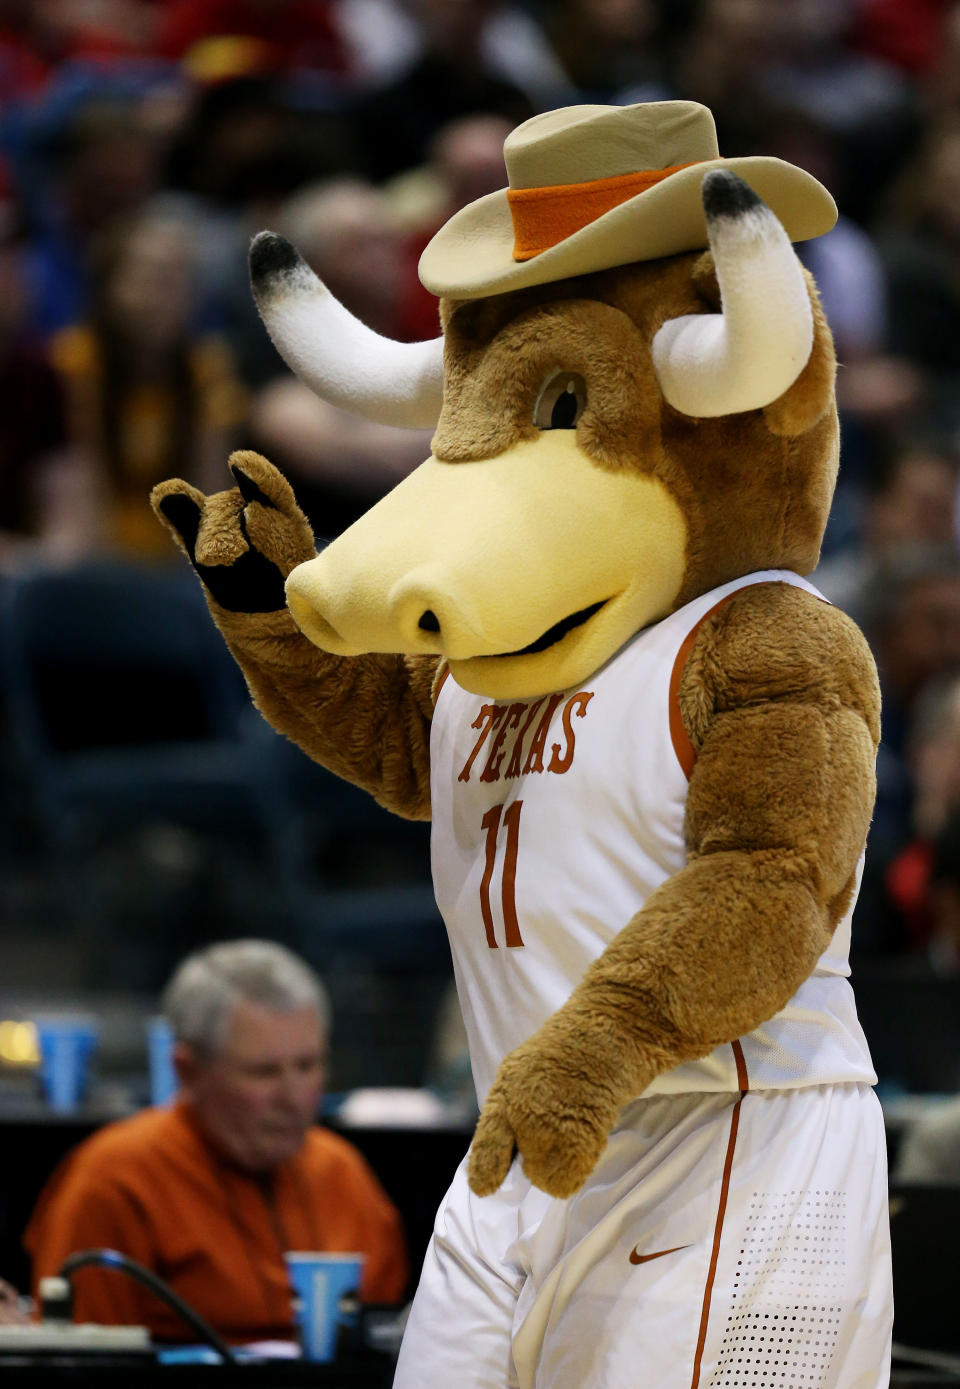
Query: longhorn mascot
x=577, y=639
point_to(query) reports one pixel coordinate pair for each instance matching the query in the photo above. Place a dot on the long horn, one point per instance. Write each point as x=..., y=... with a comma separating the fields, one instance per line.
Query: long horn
x=748, y=355
x=335, y=354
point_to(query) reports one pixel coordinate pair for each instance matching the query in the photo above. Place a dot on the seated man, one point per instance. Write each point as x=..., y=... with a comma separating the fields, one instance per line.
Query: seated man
x=210, y=1192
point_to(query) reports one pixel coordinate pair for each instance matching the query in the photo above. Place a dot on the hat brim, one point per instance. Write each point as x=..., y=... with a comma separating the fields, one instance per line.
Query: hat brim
x=472, y=254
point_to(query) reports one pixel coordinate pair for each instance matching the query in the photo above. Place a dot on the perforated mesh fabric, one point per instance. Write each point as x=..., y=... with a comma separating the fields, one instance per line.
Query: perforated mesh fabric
x=784, y=1319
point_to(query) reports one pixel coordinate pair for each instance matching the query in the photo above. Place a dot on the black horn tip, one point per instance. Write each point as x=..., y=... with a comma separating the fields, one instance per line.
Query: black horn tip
x=726, y=195
x=271, y=256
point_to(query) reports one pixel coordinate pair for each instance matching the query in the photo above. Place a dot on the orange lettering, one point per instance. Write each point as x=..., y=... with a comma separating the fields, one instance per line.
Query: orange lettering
x=491, y=771
x=512, y=822
x=513, y=766
x=534, y=762
x=488, y=714
x=580, y=701
x=491, y=823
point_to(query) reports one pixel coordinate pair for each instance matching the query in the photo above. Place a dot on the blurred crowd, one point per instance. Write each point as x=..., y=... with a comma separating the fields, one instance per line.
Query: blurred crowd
x=143, y=142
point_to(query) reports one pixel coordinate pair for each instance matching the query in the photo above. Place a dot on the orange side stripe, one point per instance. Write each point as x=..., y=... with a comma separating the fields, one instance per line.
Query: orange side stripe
x=682, y=745
x=715, y=1253
x=743, y=1080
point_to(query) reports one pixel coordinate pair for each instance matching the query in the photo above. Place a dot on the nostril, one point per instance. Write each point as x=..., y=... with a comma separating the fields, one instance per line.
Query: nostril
x=428, y=622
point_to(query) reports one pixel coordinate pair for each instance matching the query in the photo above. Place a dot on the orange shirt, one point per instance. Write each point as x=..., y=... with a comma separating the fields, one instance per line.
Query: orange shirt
x=152, y=1187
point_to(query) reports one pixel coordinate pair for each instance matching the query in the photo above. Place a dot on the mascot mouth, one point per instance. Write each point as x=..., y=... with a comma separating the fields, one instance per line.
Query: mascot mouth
x=557, y=632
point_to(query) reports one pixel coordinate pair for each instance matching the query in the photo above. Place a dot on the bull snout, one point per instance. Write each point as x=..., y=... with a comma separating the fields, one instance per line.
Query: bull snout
x=425, y=611
x=523, y=571
x=414, y=573
x=421, y=612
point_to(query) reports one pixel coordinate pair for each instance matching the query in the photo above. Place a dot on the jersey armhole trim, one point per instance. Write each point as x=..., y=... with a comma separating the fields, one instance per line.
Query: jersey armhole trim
x=679, y=737
x=439, y=680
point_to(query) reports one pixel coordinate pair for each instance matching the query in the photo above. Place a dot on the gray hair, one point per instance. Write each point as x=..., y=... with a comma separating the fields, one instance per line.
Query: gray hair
x=207, y=985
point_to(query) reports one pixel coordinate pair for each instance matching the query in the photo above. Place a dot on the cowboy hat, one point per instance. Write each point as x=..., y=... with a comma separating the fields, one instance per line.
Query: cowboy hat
x=592, y=187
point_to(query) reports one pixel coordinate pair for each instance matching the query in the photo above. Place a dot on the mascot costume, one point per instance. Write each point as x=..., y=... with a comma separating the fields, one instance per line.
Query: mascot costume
x=577, y=639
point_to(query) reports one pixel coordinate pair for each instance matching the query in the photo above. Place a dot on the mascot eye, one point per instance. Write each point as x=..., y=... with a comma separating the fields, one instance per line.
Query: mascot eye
x=561, y=401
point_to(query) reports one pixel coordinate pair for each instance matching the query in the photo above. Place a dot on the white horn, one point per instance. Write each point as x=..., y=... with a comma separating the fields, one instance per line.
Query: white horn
x=335, y=354
x=748, y=355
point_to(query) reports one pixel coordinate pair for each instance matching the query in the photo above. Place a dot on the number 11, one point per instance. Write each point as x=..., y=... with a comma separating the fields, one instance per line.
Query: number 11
x=491, y=823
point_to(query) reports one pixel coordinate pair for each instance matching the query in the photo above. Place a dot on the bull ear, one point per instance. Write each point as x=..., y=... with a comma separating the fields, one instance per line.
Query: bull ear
x=336, y=355
x=746, y=356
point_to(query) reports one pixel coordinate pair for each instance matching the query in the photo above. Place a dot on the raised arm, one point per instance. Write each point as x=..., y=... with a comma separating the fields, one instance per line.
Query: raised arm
x=366, y=718
x=780, y=701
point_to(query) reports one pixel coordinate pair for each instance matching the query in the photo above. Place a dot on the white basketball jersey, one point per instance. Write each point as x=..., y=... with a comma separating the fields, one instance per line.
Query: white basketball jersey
x=554, y=819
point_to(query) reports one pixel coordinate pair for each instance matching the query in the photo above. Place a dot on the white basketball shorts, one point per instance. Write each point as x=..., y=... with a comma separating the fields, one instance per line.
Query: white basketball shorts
x=723, y=1241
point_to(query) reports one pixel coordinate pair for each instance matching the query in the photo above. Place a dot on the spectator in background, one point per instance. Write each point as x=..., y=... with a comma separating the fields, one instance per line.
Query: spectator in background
x=912, y=617
x=943, y=944
x=149, y=396
x=912, y=620
x=920, y=245
x=466, y=162
x=386, y=37
x=909, y=36
x=37, y=36
x=728, y=60
x=910, y=499
x=245, y=144
x=739, y=54
x=101, y=165
x=912, y=896
x=211, y=1192
x=608, y=49
x=269, y=35
x=451, y=77
x=340, y=464
x=32, y=421
x=244, y=147
x=941, y=84
x=24, y=56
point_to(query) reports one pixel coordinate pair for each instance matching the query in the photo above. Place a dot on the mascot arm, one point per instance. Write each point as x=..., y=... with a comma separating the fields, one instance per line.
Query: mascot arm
x=366, y=718
x=780, y=701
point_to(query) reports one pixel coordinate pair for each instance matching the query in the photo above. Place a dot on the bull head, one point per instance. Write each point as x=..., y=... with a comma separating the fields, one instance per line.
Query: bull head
x=607, y=447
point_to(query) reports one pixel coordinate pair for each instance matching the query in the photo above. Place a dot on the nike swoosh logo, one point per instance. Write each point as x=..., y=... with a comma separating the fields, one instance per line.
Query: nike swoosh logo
x=636, y=1258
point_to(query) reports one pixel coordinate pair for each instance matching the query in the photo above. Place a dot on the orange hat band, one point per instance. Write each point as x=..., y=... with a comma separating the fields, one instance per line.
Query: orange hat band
x=544, y=216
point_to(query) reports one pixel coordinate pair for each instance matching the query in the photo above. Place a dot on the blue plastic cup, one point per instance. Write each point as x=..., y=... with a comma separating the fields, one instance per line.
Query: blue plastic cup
x=66, y=1046
x=326, y=1290
x=163, y=1077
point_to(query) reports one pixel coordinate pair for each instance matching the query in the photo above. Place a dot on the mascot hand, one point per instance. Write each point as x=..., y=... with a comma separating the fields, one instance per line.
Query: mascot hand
x=243, y=543
x=554, y=1101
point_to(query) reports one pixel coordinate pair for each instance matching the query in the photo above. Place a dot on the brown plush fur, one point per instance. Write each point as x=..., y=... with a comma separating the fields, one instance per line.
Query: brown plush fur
x=779, y=697
x=366, y=719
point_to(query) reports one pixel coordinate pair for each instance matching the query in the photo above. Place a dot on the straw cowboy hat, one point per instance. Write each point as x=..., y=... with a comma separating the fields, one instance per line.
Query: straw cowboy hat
x=596, y=186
